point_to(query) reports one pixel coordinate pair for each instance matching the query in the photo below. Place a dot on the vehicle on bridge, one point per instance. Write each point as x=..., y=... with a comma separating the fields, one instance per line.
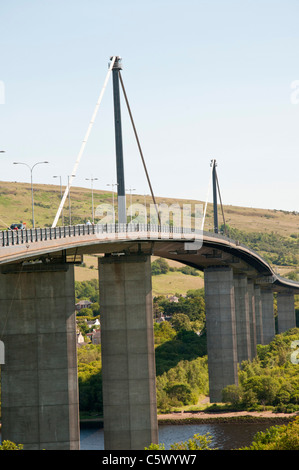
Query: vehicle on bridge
x=20, y=226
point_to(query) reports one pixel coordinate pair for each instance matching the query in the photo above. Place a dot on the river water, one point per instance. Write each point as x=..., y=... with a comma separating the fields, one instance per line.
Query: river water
x=226, y=436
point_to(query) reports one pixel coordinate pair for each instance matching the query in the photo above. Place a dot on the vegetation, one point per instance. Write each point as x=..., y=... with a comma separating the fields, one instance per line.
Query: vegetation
x=192, y=305
x=284, y=437
x=182, y=385
x=90, y=378
x=161, y=266
x=276, y=249
x=87, y=290
x=8, y=445
x=198, y=442
x=270, y=379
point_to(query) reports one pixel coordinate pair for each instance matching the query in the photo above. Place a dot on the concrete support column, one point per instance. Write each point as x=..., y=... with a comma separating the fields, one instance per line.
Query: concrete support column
x=258, y=315
x=221, y=330
x=128, y=356
x=242, y=317
x=40, y=406
x=268, y=315
x=252, y=323
x=285, y=311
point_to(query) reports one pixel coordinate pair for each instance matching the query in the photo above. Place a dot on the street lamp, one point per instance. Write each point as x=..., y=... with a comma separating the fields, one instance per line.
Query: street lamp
x=112, y=185
x=31, y=170
x=68, y=185
x=62, y=220
x=92, y=180
x=131, y=189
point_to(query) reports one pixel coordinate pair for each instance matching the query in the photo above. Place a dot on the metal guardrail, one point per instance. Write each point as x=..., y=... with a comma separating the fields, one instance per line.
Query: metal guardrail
x=19, y=237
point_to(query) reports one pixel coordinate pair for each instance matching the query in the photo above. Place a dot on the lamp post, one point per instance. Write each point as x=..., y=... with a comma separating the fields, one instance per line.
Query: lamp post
x=62, y=220
x=112, y=185
x=131, y=189
x=68, y=185
x=91, y=181
x=31, y=170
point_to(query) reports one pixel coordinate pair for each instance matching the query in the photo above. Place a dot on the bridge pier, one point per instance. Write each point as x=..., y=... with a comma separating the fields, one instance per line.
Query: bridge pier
x=40, y=406
x=252, y=322
x=242, y=317
x=258, y=315
x=221, y=330
x=128, y=356
x=267, y=315
x=286, y=311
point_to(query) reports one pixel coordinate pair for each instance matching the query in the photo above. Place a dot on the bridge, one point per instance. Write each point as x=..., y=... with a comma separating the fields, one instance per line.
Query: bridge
x=39, y=385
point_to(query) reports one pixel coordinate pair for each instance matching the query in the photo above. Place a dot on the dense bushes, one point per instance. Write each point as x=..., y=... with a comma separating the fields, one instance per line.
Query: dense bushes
x=182, y=384
x=90, y=378
x=181, y=374
x=185, y=345
x=159, y=266
x=87, y=290
x=181, y=366
x=193, y=305
x=271, y=379
x=284, y=437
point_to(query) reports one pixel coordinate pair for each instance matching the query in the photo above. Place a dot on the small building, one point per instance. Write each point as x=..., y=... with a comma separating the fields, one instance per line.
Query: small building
x=93, y=323
x=83, y=304
x=95, y=336
x=80, y=337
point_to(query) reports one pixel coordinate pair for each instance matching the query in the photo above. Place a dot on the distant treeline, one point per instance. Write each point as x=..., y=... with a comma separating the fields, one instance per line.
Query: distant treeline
x=278, y=250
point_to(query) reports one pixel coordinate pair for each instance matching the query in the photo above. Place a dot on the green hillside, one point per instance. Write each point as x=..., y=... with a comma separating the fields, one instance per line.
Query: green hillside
x=272, y=233
x=15, y=205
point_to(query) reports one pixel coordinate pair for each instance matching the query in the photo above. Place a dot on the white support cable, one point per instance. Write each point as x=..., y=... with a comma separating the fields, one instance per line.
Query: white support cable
x=73, y=174
x=205, y=210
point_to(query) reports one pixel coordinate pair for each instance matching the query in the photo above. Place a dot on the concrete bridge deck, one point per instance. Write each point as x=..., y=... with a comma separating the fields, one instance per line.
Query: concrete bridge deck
x=198, y=249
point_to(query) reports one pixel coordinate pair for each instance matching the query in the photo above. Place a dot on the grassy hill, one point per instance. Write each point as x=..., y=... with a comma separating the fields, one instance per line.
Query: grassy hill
x=15, y=205
x=251, y=225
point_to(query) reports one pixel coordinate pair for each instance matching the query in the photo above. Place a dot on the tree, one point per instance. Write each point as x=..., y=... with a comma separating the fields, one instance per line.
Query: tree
x=180, y=321
x=87, y=290
x=159, y=266
x=163, y=332
x=232, y=394
x=181, y=394
x=85, y=312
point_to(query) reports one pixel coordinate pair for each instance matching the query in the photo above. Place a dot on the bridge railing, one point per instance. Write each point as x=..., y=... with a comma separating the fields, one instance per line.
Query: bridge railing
x=151, y=231
x=19, y=237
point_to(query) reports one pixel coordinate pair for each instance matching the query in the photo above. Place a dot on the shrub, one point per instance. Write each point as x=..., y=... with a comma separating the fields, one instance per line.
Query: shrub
x=277, y=438
x=159, y=266
x=8, y=445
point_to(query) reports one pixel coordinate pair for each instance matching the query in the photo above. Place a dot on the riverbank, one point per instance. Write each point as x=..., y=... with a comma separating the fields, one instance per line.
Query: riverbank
x=202, y=417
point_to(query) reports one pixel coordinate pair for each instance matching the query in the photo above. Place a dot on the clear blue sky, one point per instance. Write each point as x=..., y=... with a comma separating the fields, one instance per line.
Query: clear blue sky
x=205, y=79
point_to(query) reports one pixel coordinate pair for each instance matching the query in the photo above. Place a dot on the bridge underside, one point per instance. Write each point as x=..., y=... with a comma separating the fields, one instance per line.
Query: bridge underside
x=212, y=253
